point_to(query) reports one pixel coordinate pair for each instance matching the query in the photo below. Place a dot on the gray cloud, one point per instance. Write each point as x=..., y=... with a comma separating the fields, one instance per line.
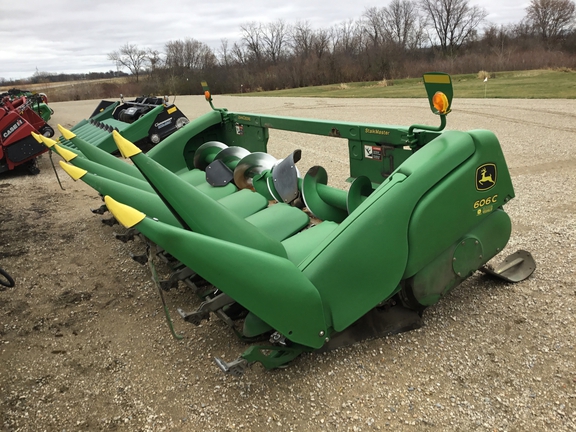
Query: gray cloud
x=75, y=35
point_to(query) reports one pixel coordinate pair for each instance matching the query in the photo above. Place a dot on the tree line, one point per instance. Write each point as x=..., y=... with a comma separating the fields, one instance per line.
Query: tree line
x=47, y=77
x=403, y=39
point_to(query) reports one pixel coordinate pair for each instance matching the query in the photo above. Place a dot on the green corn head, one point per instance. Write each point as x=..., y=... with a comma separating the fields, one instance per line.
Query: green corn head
x=293, y=262
x=146, y=121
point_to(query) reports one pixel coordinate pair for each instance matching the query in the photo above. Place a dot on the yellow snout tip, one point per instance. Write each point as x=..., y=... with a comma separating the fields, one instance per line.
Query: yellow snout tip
x=126, y=215
x=65, y=153
x=73, y=171
x=66, y=133
x=127, y=148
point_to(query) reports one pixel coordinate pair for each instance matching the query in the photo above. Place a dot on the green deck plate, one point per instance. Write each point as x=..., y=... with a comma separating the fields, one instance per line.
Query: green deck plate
x=279, y=221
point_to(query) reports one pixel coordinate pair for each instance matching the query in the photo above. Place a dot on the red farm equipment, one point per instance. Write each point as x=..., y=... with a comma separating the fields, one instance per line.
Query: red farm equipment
x=17, y=146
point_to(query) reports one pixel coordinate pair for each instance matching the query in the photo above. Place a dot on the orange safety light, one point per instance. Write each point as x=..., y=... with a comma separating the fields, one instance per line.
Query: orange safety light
x=440, y=102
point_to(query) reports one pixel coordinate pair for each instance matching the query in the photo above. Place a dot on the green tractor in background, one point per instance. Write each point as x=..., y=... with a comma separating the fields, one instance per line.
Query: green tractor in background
x=292, y=261
x=38, y=102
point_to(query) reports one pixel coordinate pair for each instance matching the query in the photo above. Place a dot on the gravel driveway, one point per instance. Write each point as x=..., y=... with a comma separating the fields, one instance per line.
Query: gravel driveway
x=84, y=343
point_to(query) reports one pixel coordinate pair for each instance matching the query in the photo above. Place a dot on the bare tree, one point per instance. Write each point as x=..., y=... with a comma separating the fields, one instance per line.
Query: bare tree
x=347, y=37
x=224, y=53
x=189, y=54
x=275, y=39
x=321, y=42
x=454, y=22
x=41, y=76
x=551, y=18
x=238, y=54
x=373, y=24
x=494, y=38
x=403, y=24
x=129, y=56
x=252, y=40
x=309, y=47
x=301, y=39
x=153, y=59
x=399, y=23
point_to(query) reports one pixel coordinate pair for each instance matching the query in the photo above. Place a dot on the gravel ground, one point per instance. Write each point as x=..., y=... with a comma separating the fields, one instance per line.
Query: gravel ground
x=84, y=343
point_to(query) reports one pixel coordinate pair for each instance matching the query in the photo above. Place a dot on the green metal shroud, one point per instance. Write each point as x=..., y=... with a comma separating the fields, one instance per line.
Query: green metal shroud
x=360, y=263
x=267, y=284
x=213, y=220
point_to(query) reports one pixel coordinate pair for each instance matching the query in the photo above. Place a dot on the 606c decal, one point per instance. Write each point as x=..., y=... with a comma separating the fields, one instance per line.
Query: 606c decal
x=485, y=201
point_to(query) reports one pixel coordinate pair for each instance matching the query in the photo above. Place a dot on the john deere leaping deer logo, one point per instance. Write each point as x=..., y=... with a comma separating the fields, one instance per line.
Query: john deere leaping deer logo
x=485, y=177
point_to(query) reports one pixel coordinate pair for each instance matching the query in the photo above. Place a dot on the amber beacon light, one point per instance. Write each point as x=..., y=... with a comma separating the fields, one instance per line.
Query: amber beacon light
x=440, y=102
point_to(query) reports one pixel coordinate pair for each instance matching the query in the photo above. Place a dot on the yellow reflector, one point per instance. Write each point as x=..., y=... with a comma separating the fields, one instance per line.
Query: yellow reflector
x=440, y=102
x=436, y=79
x=126, y=215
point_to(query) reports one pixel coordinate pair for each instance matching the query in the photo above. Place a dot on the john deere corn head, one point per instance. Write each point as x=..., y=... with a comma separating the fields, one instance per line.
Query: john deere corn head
x=145, y=121
x=290, y=261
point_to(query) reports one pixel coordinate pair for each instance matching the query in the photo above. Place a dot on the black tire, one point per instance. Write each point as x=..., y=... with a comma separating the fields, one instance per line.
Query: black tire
x=47, y=131
x=6, y=280
x=32, y=167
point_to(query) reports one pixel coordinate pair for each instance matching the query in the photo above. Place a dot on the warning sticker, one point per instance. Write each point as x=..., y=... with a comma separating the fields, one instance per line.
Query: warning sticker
x=373, y=152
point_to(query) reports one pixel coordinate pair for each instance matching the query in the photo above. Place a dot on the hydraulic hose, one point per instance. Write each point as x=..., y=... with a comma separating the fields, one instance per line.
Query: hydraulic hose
x=6, y=280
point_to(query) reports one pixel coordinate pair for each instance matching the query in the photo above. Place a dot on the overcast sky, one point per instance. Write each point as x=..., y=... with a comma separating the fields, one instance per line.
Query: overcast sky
x=67, y=36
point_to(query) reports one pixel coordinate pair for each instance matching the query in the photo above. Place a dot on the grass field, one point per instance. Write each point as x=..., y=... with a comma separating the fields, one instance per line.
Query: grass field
x=534, y=84
x=81, y=90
